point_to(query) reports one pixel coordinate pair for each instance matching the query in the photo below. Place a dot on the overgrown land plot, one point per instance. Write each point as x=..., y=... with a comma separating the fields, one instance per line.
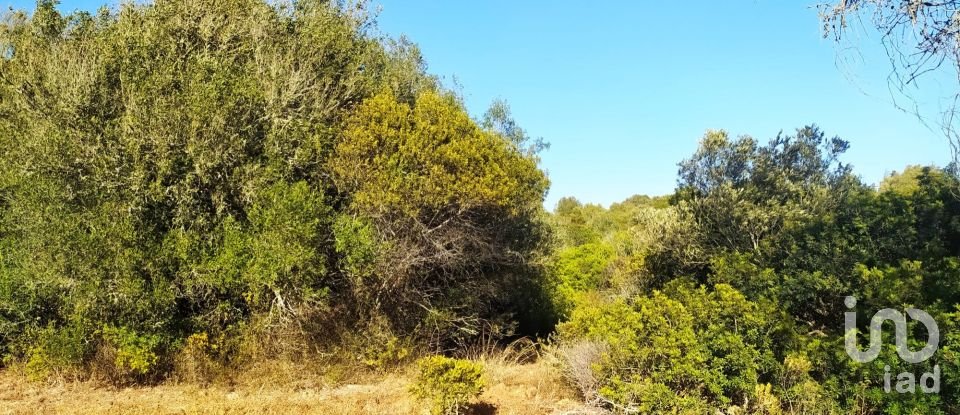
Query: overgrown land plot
x=239, y=206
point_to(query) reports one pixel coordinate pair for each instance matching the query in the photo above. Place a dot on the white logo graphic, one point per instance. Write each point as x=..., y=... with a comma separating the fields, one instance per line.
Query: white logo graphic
x=905, y=381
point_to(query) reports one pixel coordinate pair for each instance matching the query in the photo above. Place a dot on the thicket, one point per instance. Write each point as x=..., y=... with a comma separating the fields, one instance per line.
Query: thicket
x=187, y=186
x=197, y=184
x=730, y=296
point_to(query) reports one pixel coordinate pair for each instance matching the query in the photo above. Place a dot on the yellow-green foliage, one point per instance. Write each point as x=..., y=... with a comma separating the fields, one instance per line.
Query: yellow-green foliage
x=442, y=214
x=906, y=182
x=429, y=158
x=447, y=384
x=683, y=349
x=391, y=353
x=134, y=353
x=383, y=349
x=801, y=393
x=579, y=270
x=53, y=351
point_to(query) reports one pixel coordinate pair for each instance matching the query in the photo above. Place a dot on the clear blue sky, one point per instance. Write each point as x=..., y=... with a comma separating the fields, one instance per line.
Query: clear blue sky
x=624, y=90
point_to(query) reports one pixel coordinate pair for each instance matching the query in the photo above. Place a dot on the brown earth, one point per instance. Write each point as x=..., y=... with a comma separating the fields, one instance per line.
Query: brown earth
x=519, y=389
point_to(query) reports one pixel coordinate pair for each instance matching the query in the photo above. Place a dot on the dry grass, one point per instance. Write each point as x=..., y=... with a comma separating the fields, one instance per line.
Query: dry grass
x=531, y=388
x=576, y=365
x=513, y=388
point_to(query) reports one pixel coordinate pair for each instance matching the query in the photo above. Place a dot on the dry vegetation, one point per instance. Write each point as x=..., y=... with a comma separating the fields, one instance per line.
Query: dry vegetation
x=514, y=388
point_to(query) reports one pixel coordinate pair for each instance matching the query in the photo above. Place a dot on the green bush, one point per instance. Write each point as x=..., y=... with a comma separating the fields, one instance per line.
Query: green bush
x=578, y=270
x=355, y=240
x=683, y=348
x=54, y=351
x=446, y=384
x=135, y=354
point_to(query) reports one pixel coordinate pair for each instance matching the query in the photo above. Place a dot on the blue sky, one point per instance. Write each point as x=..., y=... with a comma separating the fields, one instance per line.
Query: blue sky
x=624, y=90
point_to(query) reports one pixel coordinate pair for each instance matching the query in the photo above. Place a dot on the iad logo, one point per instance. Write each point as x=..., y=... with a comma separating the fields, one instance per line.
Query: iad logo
x=906, y=382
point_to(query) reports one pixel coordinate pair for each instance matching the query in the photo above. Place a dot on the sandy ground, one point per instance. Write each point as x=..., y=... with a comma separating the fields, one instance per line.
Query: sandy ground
x=512, y=389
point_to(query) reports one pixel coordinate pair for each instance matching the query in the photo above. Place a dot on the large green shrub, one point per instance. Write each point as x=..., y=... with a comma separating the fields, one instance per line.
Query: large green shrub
x=241, y=168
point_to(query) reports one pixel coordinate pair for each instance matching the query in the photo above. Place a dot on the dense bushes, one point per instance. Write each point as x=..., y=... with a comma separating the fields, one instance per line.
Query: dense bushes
x=267, y=177
x=679, y=349
x=737, y=303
